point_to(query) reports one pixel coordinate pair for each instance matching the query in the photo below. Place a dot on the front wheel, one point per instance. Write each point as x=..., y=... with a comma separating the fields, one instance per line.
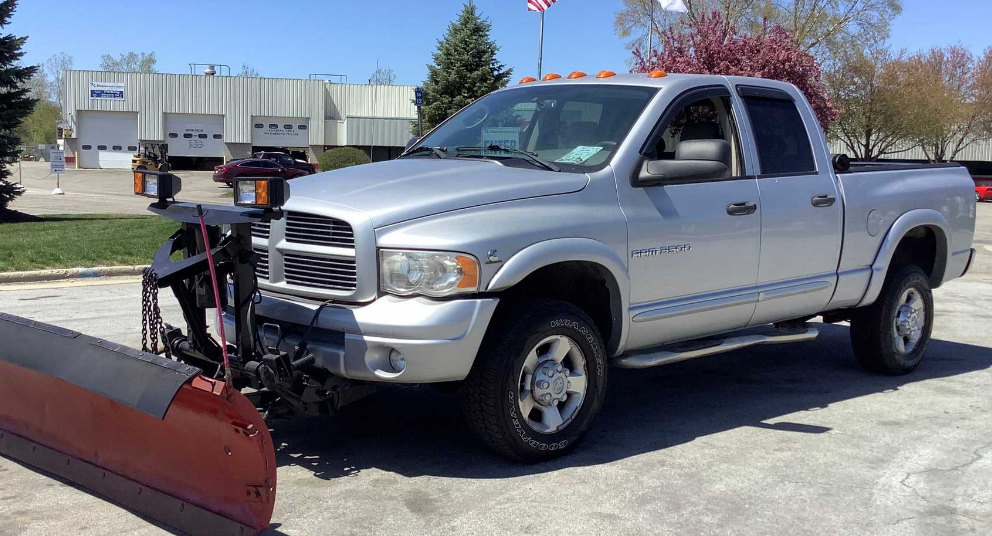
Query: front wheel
x=538, y=383
x=891, y=335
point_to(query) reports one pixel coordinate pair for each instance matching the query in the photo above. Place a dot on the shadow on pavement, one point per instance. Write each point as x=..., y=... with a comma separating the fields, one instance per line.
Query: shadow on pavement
x=416, y=431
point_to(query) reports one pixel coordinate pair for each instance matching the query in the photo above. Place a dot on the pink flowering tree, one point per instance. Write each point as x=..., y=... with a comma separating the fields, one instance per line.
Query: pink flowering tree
x=708, y=46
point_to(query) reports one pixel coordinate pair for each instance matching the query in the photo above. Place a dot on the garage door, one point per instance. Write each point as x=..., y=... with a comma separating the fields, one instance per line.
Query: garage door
x=107, y=139
x=280, y=131
x=195, y=135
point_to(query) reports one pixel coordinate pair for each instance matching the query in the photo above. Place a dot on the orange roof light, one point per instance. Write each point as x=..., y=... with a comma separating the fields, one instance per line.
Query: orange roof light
x=527, y=80
x=551, y=76
x=576, y=74
x=657, y=73
x=605, y=74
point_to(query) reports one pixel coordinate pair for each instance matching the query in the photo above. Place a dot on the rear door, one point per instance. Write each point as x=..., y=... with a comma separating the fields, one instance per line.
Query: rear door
x=802, y=214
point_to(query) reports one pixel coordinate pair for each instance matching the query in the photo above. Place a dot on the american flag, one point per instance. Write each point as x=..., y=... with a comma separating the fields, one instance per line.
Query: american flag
x=539, y=5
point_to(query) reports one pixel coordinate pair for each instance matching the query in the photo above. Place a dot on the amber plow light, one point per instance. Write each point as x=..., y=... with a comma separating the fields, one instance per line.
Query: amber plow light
x=158, y=185
x=657, y=73
x=605, y=74
x=576, y=74
x=527, y=80
x=260, y=193
x=551, y=76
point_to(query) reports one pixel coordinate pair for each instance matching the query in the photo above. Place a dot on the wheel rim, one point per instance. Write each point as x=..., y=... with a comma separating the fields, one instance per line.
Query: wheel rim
x=552, y=384
x=909, y=322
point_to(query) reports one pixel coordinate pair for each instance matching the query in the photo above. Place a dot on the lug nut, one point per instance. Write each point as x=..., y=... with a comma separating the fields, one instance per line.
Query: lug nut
x=558, y=368
x=543, y=384
x=546, y=397
x=568, y=372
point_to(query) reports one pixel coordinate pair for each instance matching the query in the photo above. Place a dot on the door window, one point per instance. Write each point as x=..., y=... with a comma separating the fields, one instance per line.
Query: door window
x=780, y=136
x=704, y=119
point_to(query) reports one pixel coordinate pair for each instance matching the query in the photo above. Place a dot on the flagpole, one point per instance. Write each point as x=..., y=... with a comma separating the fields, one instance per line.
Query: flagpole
x=540, y=48
x=651, y=29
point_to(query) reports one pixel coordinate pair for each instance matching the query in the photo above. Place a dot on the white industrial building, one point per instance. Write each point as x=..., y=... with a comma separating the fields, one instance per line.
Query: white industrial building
x=208, y=119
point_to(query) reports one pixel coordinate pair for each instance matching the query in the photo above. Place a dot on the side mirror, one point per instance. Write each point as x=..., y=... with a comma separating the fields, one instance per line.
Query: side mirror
x=411, y=143
x=695, y=160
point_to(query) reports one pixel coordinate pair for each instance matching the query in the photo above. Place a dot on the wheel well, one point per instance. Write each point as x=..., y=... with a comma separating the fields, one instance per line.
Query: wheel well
x=921, y=247
x=586, y=285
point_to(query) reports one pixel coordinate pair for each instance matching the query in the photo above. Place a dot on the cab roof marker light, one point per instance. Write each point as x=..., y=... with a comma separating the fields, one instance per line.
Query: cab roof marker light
x=605, y=74
x=551, y=76
x=576, y=74
x=657, y=73
x=527, y=80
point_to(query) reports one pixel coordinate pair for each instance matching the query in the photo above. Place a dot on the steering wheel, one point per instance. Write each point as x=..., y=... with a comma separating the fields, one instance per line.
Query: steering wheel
x=468, y=123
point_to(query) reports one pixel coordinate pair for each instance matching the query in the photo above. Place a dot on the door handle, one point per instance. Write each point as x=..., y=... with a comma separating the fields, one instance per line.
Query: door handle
x=822, y=201
x=742, y=209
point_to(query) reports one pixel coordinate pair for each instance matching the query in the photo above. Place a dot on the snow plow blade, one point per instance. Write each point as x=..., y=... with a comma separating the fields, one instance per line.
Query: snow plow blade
x=148, y=433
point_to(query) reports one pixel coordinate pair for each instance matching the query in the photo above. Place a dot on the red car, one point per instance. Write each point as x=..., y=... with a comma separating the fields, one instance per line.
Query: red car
x=254, y=167
x=983, y=193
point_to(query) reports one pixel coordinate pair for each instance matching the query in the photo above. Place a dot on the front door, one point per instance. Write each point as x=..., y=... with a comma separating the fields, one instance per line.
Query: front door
x=694, y=246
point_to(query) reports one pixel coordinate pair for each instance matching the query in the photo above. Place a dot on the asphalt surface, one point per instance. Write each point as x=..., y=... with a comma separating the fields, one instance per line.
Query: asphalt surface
x=779, y=440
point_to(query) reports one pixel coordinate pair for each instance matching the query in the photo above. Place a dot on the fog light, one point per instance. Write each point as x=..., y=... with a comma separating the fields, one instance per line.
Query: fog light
x=396, y=361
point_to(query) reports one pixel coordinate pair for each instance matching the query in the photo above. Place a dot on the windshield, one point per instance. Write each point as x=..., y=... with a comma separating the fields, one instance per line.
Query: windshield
x=576, y=127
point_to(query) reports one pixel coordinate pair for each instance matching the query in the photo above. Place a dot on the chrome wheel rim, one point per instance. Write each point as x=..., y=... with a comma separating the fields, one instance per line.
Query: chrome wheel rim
x=909, y=322
x=552, y=384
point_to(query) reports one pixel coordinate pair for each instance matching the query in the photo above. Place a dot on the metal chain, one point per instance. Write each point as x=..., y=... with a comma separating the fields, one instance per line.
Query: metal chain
x=151, y=315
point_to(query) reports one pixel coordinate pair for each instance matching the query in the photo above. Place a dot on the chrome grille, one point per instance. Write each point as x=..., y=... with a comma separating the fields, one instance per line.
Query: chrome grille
x=318, y=230
x=320, y=272
x=262, y=269
x=260, y=229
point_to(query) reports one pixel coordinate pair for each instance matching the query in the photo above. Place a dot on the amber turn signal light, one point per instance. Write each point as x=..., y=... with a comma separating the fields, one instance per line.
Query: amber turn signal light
x=657, y=73
x=576, y=74
x=551, y=76
x=605, y=74
x=527, y=80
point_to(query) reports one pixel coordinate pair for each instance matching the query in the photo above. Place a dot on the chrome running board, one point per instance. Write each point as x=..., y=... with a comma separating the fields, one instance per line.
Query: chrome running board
x=664, y=355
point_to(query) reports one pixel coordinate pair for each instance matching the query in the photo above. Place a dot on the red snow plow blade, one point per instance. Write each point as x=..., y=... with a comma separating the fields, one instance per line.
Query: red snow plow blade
x=151, y=434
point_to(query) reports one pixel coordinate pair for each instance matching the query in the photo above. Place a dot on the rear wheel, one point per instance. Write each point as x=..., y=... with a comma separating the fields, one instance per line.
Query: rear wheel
x=891, y=336
x=538, y=383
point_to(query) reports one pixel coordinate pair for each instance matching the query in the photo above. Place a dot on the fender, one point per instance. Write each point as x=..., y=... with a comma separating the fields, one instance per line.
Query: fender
x=903, y=224
x=548, y=252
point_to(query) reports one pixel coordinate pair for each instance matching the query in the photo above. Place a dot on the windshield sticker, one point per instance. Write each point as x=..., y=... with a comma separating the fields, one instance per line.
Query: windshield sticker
x=505, y=137
x=579, y=155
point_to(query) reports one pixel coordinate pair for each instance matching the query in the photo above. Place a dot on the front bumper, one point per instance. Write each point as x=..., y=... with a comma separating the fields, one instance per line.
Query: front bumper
x=438, y=339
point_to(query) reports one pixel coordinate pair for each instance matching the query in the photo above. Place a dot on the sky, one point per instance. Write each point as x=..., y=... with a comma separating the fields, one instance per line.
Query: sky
x=293, y=38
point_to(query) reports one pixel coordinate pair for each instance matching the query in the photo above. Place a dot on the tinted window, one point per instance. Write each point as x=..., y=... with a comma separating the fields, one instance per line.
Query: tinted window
x=173, y=135
x=132, y=148
x=87, y=147
x=780, y=135
x=259, y=125
x=118, y=148
x=301, y=127
x=273, y=125
x=187, y=135
x=101, y=147
x=218, y=136
x=201, y=136
x=288, y=127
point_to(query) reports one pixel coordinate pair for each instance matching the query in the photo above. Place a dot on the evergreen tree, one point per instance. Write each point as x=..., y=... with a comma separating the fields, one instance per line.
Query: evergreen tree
x=15, y=102
x=465, y=67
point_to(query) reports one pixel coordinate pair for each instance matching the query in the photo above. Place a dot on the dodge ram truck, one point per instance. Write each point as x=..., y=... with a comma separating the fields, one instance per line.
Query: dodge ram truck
x=556, y=228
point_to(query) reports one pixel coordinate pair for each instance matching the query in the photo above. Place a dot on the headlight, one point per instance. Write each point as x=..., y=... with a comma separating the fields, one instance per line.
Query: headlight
x=431, y=273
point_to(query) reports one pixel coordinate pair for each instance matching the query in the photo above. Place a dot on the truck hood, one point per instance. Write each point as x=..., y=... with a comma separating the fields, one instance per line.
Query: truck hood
x=400, y=190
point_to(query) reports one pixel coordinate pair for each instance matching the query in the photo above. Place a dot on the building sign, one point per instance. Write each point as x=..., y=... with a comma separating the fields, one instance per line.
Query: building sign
x=107, y=90
x=56, y=160
x=280, y=131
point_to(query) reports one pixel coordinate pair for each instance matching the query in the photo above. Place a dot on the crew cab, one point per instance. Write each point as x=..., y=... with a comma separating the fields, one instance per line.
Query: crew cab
x=286, y=160
x=553, y=229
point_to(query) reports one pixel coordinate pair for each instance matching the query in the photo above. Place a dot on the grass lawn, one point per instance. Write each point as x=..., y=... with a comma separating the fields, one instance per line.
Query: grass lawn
x=82, y=241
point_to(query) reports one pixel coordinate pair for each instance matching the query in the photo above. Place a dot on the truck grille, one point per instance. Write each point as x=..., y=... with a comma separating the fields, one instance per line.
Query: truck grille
x=320, y=272
x=260, y=229
x=318, y=231
x=262, y=269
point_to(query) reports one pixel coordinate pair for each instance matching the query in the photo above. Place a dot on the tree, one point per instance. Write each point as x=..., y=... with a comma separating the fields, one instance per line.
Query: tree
x=710, y=46
x=249, y=71
x=40, y=125
x=131, y=62
x=342, y=157
x=382, y=77
x=817, y=26
x=949, y=106
x=865, y=85
x=15, y=100
x=465, y=67
x=54, y=67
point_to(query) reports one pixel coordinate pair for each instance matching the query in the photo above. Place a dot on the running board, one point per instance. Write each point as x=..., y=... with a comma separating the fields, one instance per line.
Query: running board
x=654, y=358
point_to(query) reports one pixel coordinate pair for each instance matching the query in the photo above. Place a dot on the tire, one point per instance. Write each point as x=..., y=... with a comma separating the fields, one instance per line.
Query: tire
x=877, y=329
x=498, y=391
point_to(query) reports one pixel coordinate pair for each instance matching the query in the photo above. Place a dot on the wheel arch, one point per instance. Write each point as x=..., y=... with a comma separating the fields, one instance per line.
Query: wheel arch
x=921, y=227
x=571, y=260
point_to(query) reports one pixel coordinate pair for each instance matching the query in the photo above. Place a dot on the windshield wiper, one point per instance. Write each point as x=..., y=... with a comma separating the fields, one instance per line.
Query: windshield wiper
x=436, y=151
x=525, y=154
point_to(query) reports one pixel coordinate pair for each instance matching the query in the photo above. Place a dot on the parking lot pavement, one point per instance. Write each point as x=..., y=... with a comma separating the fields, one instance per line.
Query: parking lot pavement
x=101, y=191
x=790, y=439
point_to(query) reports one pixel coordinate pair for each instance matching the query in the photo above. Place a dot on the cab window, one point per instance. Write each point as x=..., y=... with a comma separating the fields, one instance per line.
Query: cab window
x=704, y=119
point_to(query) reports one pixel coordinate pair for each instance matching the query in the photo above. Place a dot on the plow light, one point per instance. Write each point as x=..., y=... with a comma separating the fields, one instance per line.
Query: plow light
x=160, y=186
x=260, y=193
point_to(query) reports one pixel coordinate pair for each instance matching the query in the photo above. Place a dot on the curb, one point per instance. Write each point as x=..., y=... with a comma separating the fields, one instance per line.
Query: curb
x=36, y=276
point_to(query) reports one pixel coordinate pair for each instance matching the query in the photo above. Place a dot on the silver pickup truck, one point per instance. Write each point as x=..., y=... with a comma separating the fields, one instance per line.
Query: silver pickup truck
x=556, y=228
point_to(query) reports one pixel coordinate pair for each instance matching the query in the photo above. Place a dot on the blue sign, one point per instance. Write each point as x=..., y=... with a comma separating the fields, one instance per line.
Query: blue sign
x=107, y=90
x=418, y=96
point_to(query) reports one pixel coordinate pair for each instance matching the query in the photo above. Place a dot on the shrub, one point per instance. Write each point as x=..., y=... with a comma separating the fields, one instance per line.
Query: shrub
x=342, y=157
x=8, y=191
